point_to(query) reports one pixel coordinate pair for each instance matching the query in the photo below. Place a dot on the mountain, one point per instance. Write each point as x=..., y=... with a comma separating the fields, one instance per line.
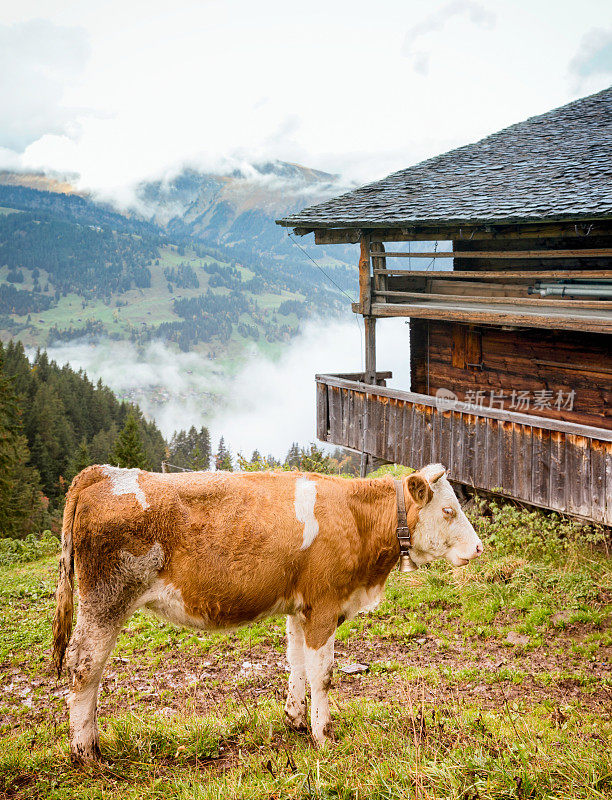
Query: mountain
x=237, y=209
x=197, y=260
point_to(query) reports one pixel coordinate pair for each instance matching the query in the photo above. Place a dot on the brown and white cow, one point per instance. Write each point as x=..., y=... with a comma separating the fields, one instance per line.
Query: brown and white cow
x=217, y=550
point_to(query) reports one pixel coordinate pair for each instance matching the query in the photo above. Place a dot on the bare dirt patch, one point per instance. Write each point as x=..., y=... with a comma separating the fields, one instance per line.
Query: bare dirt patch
x=487, y=672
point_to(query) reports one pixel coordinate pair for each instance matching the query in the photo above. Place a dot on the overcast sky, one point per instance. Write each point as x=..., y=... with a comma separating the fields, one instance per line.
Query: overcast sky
x=116, y=90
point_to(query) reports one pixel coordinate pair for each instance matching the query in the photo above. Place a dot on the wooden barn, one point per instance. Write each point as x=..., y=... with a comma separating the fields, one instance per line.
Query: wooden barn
x=511, y=339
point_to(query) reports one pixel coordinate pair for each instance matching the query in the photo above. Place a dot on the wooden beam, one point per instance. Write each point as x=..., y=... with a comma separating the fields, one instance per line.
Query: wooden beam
x=345, y=236
x=365, y=293
x=462, y=232
x=605, y=252
x=580, y=320
x=559, y=274
x=604, y=305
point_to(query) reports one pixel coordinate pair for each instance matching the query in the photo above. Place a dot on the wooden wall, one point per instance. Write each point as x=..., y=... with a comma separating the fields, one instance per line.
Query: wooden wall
x=592, y=242
x=470, y=358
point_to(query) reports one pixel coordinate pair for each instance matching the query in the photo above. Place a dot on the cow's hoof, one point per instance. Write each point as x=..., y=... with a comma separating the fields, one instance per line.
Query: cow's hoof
x=81, y=755
x=297, y=722
x=325, y=737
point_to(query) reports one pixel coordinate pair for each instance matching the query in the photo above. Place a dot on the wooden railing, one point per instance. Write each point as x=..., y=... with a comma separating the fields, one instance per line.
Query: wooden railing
x=545, y=462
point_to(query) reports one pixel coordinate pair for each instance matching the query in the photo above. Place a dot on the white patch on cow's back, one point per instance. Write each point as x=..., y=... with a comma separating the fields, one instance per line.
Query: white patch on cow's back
x=305, y=498
x=125, y=481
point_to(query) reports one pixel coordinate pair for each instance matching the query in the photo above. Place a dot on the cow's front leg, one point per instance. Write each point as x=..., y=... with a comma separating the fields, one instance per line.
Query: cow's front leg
x=295, y=707
x=319, y=658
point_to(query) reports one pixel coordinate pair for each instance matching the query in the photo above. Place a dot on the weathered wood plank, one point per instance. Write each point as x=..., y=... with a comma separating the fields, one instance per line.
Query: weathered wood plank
x=522, y=461
x=505, y=275
x=406, y=447
x=578, y=475
x=382, y=427
x=427, y=454
x=481, y=454
x=492, y=478
x=598, y=481
x=557, y=472
x=540, y=467
x=608, y=470
x=344, y=402
x=469, y=449
x=322, y=412
x=392, y=430
x=372, y=422
x=458, y=431
x=335, y=414
x=598, y=252
x=445, y=438
x=418, y=423
x=531, y=302
x=580, y=320
x=359, y=411
x=507, y=457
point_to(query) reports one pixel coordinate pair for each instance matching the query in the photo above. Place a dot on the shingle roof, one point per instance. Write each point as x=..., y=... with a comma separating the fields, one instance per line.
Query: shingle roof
x=555, y=166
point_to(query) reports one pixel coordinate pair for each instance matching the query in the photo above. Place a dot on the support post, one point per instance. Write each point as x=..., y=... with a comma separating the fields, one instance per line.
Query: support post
x=369, y=324
x=365, y=287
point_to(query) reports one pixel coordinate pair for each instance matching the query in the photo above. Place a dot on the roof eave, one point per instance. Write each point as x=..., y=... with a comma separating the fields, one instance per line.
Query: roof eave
x=317, y=224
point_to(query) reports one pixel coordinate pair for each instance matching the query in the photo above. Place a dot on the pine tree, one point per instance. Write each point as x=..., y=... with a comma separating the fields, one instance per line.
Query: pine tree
x=21, y=502
x=205, y=448
x=81, y=458
x=51, y=437
x=293, y=456
x=223, y=459
x=128, y=450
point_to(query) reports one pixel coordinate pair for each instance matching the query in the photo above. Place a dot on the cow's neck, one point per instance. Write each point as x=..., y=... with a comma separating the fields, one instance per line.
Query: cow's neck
x=376, y=516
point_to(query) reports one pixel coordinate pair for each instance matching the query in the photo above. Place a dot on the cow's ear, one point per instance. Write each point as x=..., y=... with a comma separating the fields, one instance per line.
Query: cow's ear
x=419, y=489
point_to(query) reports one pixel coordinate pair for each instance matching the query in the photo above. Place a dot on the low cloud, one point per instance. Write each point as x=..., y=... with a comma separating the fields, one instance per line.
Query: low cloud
x=593, y=59
x=267, y=404
x=474, y=12
x=38, y=61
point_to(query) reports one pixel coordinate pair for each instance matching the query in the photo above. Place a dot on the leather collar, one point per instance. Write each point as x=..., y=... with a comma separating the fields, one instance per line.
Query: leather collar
x=406, y=564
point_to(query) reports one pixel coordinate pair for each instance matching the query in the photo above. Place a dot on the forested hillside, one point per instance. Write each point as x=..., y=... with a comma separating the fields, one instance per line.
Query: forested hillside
x=53, y=422
x=209, y=270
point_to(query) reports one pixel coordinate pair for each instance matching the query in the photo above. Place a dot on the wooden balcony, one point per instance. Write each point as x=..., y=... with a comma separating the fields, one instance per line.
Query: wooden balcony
x=549, y=463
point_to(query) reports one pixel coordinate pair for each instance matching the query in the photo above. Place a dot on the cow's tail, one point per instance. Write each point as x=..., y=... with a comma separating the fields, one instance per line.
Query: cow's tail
x=64, y=595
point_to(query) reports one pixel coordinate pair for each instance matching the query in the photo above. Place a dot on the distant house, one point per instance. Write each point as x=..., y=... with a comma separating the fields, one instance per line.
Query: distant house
x=511, y=348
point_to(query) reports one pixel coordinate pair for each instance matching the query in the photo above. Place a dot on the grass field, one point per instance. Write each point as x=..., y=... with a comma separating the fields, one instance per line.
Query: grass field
x=491, y=681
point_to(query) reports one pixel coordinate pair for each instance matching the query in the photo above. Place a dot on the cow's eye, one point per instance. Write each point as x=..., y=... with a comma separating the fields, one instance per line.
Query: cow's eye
x=449, y=512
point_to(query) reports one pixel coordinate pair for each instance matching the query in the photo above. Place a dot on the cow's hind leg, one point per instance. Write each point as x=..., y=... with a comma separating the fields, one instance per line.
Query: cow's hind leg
x=319, y=660
x=90, y=646
x=295, y=707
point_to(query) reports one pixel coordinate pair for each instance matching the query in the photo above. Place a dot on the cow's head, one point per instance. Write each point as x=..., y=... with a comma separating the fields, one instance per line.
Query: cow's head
x=442, y=530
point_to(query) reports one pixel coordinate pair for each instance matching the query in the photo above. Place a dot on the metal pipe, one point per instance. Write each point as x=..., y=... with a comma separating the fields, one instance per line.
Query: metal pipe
x=569, y=289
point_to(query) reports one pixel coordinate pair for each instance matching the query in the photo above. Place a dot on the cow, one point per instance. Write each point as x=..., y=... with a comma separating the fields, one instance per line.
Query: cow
x=215, y=550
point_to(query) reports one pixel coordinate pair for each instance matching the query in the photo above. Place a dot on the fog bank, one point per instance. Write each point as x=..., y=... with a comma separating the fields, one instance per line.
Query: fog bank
x=266, y=405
